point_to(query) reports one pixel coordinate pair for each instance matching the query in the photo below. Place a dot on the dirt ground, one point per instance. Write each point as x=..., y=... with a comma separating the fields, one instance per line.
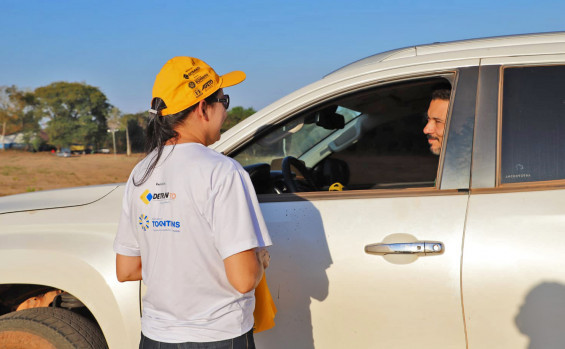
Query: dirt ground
x=22, y=171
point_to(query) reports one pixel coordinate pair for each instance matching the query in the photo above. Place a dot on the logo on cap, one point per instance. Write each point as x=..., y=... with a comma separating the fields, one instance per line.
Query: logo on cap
x=187, y=75
x=199, y=79
x=191, y=84
x=208, y=84
x=197, y=93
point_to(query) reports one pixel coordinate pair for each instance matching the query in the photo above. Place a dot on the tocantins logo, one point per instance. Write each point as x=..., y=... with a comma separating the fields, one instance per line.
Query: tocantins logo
x=144, y=222
x=191, y=84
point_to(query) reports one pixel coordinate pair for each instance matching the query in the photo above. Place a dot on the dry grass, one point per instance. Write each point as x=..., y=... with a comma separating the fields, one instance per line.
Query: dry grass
x=22, y=172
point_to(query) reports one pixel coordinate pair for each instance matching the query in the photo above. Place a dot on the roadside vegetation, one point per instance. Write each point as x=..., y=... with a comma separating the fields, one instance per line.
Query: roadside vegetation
x=73, y=115
x=100, y=143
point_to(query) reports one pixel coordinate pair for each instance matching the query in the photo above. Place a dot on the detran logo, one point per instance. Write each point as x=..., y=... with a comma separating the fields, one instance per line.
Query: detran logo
x=146, y=197
x=144, y=222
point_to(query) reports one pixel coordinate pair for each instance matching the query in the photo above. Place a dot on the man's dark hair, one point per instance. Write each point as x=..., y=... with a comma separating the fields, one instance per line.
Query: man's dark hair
x=443, y=93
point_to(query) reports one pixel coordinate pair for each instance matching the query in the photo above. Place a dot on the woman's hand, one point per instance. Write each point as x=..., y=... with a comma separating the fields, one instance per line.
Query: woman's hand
x=263, y=256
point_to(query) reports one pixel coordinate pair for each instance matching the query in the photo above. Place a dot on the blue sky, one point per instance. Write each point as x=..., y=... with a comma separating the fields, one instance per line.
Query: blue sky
x=119, y=46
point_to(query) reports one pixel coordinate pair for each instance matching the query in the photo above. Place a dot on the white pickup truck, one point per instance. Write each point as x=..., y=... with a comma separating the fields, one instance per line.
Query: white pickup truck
x=377, y=241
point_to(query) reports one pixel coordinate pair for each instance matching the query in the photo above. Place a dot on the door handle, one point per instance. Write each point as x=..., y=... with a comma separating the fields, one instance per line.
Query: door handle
x=420, y=248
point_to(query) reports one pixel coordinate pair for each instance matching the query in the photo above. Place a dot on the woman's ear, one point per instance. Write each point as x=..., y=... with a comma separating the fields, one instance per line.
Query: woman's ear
x=203, y=106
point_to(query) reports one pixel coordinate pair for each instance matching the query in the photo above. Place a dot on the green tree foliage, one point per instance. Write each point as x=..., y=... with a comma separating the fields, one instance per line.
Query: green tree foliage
x=235, y=115
x=134, y=128
x=114, y=125
x=8, y=115
x=130, y=133
x=16, y=112
x=75, y=113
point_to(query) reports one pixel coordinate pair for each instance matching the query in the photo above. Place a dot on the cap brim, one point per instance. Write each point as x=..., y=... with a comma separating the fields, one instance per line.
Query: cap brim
x=233, y=78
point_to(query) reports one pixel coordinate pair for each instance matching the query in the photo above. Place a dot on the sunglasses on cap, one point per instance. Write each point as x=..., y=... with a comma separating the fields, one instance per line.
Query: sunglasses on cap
x=225, y=101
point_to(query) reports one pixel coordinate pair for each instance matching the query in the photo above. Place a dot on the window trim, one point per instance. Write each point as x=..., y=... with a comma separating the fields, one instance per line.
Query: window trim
x=357, y=194
x=557, y=184
x=456, y=174
x=483, y=163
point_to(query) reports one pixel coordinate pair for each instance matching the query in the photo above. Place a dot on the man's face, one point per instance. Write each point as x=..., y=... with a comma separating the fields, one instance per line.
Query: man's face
x=437, y=114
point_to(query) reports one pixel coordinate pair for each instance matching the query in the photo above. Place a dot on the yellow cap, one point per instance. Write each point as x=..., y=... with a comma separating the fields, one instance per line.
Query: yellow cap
x=185, y=81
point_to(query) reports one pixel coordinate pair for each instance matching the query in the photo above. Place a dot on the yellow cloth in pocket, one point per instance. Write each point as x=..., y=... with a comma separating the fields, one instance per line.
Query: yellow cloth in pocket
x=265, y=308
x=337, y=186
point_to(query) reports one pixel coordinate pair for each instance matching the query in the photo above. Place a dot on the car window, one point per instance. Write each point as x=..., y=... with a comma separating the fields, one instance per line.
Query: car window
x=370, y=139
x=533, y=124
x=293, y=138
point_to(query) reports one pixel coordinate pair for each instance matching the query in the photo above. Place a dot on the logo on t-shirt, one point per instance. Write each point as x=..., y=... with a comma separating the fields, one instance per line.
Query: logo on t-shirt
x=165, y=223
x=144, y=222
x=158, y=224
x=147, y=196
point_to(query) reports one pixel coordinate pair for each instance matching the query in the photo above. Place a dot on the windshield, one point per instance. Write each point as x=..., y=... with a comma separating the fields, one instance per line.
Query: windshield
x=295, y=137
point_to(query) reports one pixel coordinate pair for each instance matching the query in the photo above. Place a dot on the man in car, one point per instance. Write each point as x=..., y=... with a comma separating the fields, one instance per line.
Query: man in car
x=436, y=117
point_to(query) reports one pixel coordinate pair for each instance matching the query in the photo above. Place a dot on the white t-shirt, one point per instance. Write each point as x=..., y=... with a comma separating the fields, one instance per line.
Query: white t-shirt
x=197, y=208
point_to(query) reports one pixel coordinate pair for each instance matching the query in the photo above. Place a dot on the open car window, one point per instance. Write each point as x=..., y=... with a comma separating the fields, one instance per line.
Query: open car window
x=295, y=137
x=369, y=139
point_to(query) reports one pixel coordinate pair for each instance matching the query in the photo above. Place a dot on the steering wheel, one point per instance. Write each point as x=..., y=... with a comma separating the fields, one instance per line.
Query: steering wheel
x=301, y=181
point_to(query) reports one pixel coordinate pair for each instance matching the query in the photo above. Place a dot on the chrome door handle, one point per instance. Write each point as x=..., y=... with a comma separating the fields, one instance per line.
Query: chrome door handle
x=421, y=248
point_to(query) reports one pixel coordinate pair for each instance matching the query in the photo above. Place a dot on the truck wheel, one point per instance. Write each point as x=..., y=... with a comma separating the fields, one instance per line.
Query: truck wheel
x=49, y=328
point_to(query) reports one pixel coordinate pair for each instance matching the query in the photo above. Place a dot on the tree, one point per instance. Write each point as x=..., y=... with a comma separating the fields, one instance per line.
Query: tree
x=7, y=115
x=131, y=123
x=16, y=112
x=76, y=113
x=28, y=120
x=114, y=124
x=235, y=115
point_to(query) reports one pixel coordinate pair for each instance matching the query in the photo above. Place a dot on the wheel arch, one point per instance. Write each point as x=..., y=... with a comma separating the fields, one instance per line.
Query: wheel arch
x=114, y=305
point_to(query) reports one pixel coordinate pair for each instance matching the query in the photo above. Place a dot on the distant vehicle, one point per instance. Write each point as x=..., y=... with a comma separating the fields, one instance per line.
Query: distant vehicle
x=65, y=152
x=376, y=241
x=47, y=147
x=77, y=148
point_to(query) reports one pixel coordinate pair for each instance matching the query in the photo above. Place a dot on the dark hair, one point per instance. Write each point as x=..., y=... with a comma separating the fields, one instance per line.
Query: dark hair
x=441, y=93
x=161, y=128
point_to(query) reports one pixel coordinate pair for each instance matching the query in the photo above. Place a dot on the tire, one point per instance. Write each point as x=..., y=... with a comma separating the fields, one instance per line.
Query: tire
x=49, y=328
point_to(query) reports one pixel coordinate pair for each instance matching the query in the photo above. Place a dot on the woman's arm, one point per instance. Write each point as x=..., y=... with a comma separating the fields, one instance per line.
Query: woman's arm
x=128, y=268
x=245, y=269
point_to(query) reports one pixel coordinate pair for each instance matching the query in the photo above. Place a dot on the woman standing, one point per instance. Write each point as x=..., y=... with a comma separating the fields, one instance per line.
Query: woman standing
x=191, y=226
